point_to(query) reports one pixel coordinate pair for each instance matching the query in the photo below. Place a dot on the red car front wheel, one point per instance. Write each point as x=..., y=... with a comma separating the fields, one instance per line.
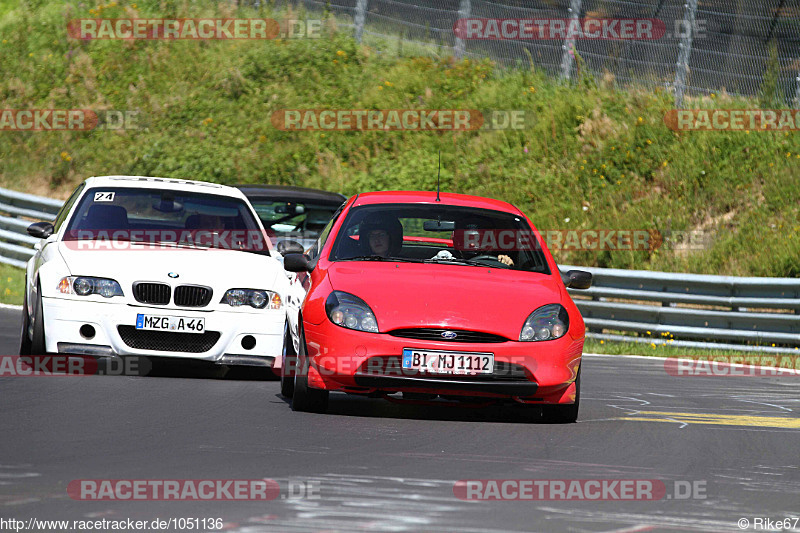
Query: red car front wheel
x=306, y=399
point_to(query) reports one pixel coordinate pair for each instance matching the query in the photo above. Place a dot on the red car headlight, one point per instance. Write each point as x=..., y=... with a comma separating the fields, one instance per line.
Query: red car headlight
x=549, y=322
x=350, y=311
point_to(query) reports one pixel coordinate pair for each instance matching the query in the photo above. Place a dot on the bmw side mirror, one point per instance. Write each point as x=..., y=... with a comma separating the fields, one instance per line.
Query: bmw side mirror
x=296, y=262
x=289, y=247
x=40, y=230
x=577, y=279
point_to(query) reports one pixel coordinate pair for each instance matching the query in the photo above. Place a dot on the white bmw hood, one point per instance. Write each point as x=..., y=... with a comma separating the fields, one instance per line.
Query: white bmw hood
x=219, y=269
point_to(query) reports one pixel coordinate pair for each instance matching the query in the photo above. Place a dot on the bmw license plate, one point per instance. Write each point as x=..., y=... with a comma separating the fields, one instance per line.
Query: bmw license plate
x=440, y=362
x=170, y=323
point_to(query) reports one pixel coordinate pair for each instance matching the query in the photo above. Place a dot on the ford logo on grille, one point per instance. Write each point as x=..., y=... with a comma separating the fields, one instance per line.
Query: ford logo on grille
x=449, y=334
x=173, y=275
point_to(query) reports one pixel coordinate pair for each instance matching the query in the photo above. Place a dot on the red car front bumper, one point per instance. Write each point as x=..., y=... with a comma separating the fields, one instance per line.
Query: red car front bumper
x=354, y=361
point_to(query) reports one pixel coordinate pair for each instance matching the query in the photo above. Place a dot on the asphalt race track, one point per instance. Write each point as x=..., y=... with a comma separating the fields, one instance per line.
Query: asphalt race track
x=377, y=466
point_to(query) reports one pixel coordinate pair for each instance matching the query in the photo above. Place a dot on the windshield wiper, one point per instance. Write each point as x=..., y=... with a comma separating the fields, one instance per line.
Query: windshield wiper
x=179, y=244
x=453, y=260
x=380, y=258
x=468, y=262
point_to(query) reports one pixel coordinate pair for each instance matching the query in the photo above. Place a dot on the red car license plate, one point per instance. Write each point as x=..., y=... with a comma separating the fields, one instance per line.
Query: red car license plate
x=440, y=362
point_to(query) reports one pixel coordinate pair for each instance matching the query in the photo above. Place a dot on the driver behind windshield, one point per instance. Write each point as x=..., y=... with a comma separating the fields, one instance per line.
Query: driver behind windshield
x=380, y=235
x=473, y=250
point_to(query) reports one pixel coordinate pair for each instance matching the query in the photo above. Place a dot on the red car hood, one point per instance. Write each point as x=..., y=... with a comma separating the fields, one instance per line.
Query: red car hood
x=406, y=295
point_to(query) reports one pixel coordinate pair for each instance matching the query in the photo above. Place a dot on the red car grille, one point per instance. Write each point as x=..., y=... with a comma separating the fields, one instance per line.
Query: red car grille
x=446, y=335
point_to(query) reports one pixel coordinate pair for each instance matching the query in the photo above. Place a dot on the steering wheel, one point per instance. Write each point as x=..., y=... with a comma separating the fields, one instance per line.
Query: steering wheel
x=491, y=259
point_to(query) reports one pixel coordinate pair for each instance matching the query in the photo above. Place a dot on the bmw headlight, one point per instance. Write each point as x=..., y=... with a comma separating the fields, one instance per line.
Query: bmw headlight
x=546, y=323
x=255, y=298
x=350, y=311
x=85, y=286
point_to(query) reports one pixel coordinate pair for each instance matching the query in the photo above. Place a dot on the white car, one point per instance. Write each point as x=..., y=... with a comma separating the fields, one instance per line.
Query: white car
x=141, y=266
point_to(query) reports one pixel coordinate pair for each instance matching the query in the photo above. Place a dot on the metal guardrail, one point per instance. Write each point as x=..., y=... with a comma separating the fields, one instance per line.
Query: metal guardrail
x=702, y=311
x=17, y=211
x=726, y=312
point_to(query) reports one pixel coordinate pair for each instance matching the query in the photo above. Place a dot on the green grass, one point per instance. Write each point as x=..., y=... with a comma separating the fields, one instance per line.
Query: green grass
x=658, y=350
x=12, y=284
x=594, y=156
x=788, y=360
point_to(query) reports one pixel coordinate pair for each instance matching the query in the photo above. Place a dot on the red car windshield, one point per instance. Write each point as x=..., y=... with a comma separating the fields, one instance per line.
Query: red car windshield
x=443, y=234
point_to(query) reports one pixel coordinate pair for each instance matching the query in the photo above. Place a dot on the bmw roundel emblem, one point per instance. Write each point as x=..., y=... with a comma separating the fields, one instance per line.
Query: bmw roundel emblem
x=449, y=334
x=173, y=275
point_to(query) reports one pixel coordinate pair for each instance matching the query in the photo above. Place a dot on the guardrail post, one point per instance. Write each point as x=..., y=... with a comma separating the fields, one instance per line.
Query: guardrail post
x=464, y=11
x=797, y=89
x=595, y=298
x=360, y=19
x=684, y=51
x=568, y=48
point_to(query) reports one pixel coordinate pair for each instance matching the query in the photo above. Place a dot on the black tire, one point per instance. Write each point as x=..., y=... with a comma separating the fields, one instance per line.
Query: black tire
x=564, y=414
x=25, y=339
x=288, y=360
x=306, y=399
x=38, y=345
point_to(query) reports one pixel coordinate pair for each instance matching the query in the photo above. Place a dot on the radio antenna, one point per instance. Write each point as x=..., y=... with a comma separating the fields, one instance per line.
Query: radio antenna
x=438, y=174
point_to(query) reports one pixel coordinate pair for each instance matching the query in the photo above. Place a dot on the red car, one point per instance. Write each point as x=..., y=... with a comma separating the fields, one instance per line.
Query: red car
x=448, y=296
